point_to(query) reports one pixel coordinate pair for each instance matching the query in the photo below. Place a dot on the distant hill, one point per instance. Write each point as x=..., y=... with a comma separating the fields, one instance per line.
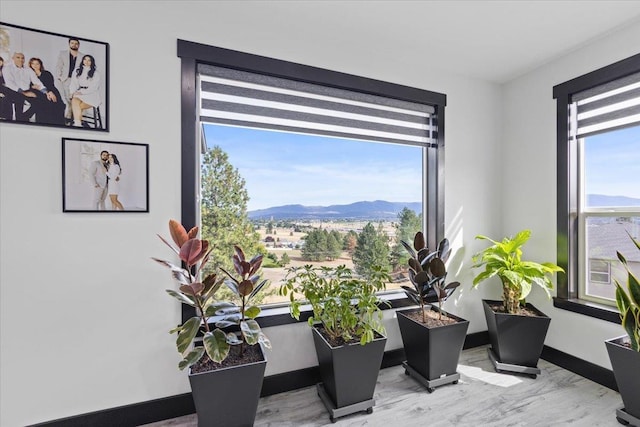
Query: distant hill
x=376, y=210
x=597, y=200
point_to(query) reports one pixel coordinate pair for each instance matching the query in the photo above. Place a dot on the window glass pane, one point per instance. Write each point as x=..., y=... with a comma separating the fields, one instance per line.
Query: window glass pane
x=612, y=169
x=604, y=236
x=599, y=271
x=309, y=199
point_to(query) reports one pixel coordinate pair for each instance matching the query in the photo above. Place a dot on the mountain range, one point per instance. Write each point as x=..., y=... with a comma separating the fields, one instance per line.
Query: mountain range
x=365, y=210
x=382, y=210
x=600, y=200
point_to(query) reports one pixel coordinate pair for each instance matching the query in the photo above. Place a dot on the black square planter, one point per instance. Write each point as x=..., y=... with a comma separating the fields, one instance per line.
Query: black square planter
x=516, y=340
x=432, y=352
x=349, y=373
x=228, y=397
x=626, y=368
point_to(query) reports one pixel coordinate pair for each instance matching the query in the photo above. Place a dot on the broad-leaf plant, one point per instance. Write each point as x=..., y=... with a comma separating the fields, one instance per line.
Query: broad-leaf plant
x=628, y=302
x=427, y=273
x=504, y=259
x=200, y=294
x=346, y=305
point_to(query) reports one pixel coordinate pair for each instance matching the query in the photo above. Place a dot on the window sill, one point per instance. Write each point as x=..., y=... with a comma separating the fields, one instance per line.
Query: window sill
x=588, y=308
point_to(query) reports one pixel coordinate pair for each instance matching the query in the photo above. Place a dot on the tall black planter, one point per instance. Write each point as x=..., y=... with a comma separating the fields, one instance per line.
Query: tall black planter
x=516, y=340
x=228, y=397
x=626, y=368
x=432, y=353
x=349, y=374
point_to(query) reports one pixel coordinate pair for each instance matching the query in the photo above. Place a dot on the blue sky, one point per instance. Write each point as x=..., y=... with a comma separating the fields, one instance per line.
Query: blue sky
x=284, y=168
x=612, y=163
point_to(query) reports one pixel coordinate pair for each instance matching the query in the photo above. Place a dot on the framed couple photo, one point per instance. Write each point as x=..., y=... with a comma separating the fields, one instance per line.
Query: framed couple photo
x=51, y=79
x=104, y=176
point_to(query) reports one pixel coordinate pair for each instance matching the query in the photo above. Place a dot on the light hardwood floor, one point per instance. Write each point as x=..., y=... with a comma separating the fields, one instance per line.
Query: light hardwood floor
x=481, y=398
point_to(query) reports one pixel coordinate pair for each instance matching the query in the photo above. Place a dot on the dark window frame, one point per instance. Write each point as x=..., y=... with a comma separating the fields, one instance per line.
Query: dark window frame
x=567, y=189
x=192, y=54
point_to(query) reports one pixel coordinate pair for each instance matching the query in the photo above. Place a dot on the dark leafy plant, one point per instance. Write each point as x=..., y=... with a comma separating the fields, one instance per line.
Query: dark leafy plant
x=194, y=254
x=346, y=305
x=629, y=302
x=427, y=273
x=504, y=259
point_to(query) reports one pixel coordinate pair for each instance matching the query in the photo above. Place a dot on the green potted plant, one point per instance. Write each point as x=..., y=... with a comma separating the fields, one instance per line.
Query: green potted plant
x=226, y=368
x=516, y=329
x=347, y=331
x=624, y=351
x=432, y=338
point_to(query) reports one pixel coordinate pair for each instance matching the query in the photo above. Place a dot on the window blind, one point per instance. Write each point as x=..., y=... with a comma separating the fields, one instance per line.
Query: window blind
x=607, y=107
x=238, y=98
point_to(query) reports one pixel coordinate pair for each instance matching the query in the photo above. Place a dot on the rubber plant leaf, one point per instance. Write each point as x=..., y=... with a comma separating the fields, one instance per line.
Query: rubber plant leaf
x=178, y=233
x=181, y=297
x=216, y=345
x=251, y=331
x=233, y=339
x=192, y=357
x=193, y=289
x=255, y=264
x=443, y=249
x=187, y=334
x=252, y=312
x=191, y=251
x=418, y=241
x=257, y=289
x=409, y=249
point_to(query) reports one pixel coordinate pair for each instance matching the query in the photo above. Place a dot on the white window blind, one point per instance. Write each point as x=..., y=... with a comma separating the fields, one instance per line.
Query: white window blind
x=607, y=107
x=238, y=98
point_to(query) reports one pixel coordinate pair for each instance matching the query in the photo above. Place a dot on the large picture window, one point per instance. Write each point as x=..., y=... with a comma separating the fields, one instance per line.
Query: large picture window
x=313, y=159
x=598, y=183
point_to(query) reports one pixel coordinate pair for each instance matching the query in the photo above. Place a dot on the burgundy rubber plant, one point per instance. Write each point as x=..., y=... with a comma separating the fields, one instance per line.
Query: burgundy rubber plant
x=427, y=273
x=200, y=294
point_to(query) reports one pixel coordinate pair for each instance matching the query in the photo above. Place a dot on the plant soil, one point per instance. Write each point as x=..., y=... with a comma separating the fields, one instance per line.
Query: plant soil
x=252, y=354
x=522, y=311
x=432, y=320
x=339, y=341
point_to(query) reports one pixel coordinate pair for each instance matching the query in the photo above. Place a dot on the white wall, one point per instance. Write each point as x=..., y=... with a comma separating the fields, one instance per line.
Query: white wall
x=529, y=179
x=84, y=313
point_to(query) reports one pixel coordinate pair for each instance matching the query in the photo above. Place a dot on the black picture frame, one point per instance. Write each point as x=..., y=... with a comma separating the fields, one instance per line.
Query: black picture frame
x=83, y=176
x=50, y=105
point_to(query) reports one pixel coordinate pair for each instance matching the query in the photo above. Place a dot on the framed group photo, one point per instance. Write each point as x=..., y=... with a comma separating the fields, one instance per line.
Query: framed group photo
x=51, y=79
x=104, y=176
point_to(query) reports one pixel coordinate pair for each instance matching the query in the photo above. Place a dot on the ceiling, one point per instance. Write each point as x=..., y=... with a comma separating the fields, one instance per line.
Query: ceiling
x=491, y=40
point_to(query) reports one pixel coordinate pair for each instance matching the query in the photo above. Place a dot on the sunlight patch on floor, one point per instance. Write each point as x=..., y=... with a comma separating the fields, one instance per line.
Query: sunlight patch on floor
x=501, y=380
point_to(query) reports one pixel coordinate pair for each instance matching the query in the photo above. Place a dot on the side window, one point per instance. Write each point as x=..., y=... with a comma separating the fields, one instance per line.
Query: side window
x=598, y=180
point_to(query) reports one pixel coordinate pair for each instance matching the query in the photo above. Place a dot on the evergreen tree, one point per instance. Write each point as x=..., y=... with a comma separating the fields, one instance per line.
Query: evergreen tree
x=372, y=249
x=225, y=221
x=285, y=260
x=315, y=246
x=407, y=226
x=334, y=245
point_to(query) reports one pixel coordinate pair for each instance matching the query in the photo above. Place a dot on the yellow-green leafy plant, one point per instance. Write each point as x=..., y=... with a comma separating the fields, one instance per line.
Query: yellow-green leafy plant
x=346, y=305
x=504, y=259
x=200, y=294
x=628, y=302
